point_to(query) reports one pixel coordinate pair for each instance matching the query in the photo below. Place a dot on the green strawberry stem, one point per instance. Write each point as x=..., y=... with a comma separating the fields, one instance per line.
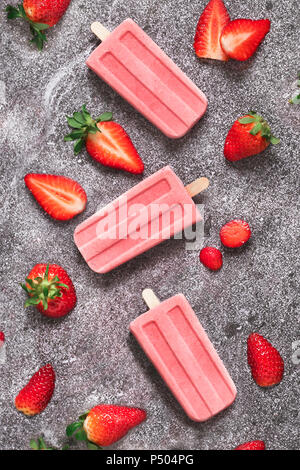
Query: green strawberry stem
x=76, y=429
x=40, y=444
x=41, y=289
x=37, y=29
x=83, y=124
x=260, y=125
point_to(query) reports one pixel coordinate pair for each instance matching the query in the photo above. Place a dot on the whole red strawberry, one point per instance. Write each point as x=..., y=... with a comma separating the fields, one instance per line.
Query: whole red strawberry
x=105, y=140
x=40, y=14
x=211, y=258
x=252, y=445
x=266, y=364
x=50, y=289
x=248, y=136
x=35, y=396
x=235, y=233
x=105, y=424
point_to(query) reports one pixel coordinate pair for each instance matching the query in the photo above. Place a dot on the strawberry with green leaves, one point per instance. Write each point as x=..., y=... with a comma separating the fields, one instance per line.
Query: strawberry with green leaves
x=105, y=140
x=35, y=396
x=50, y=289
x=40, y=15
x=105, y=424
x=248, y=136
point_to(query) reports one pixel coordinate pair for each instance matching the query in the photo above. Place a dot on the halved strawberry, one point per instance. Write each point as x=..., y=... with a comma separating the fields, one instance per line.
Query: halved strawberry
x=208, y=32
x=105, y=140
x=240, y=38
x=61, y=197
x=235, y=233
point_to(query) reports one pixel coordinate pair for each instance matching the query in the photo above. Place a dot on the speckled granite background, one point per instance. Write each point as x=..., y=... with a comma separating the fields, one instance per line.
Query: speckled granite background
x=95, y=357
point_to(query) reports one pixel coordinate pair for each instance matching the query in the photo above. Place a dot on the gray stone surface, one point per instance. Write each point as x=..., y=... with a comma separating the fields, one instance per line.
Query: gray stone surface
x=95, y=358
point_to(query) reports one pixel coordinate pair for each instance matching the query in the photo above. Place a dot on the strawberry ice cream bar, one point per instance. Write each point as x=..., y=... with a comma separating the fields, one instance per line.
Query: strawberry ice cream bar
x=173, y=339
x=150, y=212
x=133, y=65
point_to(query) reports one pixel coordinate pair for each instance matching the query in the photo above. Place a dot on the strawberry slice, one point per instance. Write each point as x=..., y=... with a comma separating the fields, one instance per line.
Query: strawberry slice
x=61, y=197
x=105, y=140
x=240, y=38
x=235, y=233
x=209, y=29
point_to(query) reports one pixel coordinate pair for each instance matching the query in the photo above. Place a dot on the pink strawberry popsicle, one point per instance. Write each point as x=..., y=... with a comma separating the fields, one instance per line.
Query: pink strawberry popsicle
x=150, y=212
x=176, y=343
x=131, y=63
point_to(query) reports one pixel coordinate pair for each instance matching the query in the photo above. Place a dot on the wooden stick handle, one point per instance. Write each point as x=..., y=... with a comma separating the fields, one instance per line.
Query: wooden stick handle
x=100, y=31
x=150, y=298
x=197, y=186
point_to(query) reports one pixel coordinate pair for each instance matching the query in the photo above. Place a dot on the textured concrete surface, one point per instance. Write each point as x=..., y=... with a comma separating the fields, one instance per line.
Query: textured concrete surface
x=95, y=358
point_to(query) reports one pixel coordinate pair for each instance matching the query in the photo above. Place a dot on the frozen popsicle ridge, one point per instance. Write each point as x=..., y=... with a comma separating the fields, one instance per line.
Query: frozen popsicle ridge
x=100, y=31
x=150, y=298
x=136, y=68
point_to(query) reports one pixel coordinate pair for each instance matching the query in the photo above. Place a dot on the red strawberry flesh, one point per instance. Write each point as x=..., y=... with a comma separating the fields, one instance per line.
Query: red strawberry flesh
x=208, y=32
x=235, y=233
x=61, y=197
x=240, y=38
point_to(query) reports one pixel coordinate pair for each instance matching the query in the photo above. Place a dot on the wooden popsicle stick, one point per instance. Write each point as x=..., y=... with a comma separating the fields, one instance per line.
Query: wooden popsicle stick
x=100, y=31
x=150, y=298
x=197, y=186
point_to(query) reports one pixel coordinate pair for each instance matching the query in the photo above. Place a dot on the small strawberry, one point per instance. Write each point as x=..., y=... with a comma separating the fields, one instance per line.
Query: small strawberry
x=35, y=396
x=40, y=15
x=208, y=32
x=211, y=258
x=266, y=364
x=61, y=197
x=252, y=445
x=235, y=233
x=2, y=338
x=240, y=38
x=105, y=140
x=248, y=136
x=105, y=424
x=50, y=289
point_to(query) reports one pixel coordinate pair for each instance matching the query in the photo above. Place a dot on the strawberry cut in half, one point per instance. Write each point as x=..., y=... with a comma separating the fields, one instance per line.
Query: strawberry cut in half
x=235, y=233
x=61, y=197
x=105, y=140
x=240, y=38
x=208, y=32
